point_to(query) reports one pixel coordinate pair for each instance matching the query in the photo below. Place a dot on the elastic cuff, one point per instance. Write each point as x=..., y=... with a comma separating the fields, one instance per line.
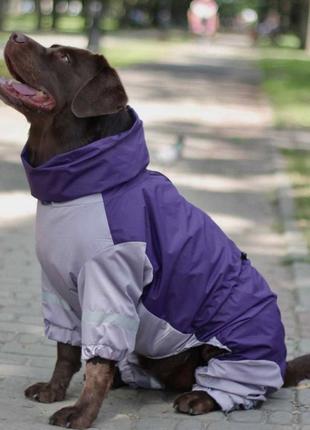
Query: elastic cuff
x=103, y=351
x=60, y=334
x=226, y=401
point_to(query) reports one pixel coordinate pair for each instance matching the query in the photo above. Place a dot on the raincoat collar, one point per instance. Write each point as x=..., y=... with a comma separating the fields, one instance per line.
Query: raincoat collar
x=94, y=168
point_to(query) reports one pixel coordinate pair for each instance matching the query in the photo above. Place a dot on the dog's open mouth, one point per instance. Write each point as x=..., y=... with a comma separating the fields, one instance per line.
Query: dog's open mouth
x=18, y=93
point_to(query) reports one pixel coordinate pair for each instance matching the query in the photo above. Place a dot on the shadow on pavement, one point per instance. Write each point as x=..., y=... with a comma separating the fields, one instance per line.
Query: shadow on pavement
x=12, y=177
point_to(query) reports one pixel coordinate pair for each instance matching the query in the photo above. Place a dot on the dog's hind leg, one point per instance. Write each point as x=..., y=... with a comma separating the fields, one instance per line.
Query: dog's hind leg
x=195, y=403
x=297, y=370
x=67, y=364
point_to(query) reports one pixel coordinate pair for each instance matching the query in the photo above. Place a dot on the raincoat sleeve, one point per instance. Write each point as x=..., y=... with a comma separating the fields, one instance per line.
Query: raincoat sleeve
x=109, y=286
x=61, y=321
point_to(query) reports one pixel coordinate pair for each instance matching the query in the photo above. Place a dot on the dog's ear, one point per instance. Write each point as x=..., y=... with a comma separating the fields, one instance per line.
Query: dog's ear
x=102, y=95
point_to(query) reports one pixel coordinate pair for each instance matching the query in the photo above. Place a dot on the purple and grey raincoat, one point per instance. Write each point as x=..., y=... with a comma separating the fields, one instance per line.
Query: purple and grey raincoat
x=130, y=267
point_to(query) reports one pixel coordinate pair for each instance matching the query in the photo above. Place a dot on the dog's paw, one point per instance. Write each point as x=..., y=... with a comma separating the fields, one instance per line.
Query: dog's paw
x=73, y=417
x=45, y=393
x=195, y=403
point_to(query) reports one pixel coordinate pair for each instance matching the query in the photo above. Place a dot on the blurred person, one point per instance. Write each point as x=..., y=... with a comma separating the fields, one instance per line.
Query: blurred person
x=246, y=22
x=270, y=27
x=203, y=17
x=138, y=18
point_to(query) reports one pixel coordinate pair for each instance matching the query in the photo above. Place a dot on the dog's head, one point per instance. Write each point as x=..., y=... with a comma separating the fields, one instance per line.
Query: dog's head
x=49, y=80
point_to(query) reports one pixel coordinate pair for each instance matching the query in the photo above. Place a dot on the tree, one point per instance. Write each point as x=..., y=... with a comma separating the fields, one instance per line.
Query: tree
x=305, y=25
x=3, y=5
x=95, y=10
x=307, y=37
x=179, y=10
x=54, y=14
x=38, y=13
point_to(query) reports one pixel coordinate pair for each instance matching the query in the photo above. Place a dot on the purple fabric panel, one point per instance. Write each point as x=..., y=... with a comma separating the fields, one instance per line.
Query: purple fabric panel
x=191, y=257
x=90, y=169
x=200, y=283
x=257, y=331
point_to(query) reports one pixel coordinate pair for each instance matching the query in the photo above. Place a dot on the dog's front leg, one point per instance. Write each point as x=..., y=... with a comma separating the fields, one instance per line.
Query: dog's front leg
x=99, y=377
x=67, y=364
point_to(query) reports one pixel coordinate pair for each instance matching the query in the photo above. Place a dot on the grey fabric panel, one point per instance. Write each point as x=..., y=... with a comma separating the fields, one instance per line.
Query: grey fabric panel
x=61, y=334
x=133, y=375
x=110, y=286
x=215, y=342
x=86, y=277
x=61, y=322
x=238, y=383
x=119, y=320
x=156, y=338
x=52, y=299
x=67, y=235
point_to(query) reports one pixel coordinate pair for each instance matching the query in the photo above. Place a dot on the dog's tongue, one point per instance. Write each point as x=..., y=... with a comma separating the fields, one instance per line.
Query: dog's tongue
x=37, y=99
x=23, y=89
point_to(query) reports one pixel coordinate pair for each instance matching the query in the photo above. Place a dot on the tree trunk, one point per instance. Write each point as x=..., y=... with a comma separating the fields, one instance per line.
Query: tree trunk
x=179, y=12
x=304, y=25
x=2, y=10
x=39, y=14
x=95, y=9
x=84, y=14
x=286, y=15
x=54, y=15
x=306, y=38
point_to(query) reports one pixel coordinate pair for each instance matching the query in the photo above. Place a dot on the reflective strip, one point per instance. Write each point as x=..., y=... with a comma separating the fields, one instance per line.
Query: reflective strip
x=121, y=321
x=51, y=298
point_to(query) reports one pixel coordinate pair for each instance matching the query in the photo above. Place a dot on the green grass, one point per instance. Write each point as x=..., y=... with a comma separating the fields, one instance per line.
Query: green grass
x=128, y=53
x=28, y=22
x=3, y=69
x=299, y=168
x=287, y=82
x=74, y=24
x=65, y=23
x=286, y=72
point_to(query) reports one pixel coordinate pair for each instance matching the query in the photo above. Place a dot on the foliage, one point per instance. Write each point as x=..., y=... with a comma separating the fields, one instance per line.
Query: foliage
x=287, y=82
x=3, y=69
x=286, y=75
x=299, y=168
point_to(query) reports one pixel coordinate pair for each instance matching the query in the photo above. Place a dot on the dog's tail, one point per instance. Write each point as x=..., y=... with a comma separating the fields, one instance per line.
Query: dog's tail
x=297, y=370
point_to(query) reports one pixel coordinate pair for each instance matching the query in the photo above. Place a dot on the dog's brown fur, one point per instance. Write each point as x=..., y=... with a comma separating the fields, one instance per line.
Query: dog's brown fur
x=67, y=364
x=98, y=380
x=90, y=103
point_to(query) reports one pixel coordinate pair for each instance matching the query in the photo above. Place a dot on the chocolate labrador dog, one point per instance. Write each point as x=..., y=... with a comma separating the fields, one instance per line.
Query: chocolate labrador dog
x=72, y=98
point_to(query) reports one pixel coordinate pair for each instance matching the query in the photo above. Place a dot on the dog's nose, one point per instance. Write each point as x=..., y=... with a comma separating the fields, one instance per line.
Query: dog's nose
x=19, y=38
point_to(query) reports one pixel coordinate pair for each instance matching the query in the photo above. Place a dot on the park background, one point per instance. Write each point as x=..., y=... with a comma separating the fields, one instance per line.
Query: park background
x=227, y=118
x=145, y=30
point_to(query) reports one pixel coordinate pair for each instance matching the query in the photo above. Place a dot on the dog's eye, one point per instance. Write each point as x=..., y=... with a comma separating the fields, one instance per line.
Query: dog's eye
x=65, y=58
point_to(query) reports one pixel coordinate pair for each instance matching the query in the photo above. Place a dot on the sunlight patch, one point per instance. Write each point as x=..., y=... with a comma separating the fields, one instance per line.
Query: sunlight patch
x=15, y=207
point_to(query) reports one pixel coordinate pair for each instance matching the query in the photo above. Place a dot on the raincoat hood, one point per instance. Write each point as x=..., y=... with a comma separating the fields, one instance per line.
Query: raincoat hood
x=93, y=168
